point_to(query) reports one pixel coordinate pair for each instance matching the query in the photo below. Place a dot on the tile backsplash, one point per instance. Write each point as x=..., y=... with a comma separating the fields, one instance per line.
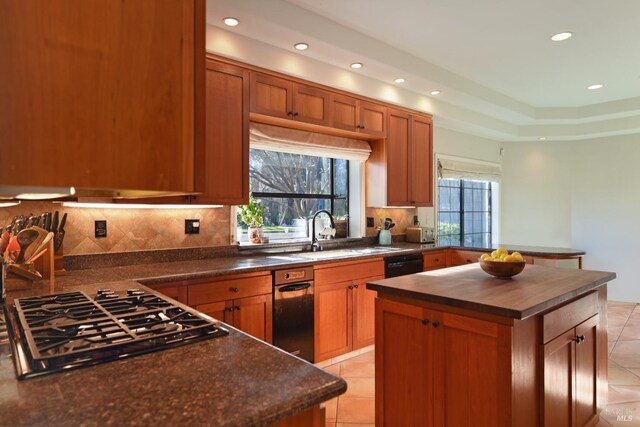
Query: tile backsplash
x=402, y=217
x=131, y=229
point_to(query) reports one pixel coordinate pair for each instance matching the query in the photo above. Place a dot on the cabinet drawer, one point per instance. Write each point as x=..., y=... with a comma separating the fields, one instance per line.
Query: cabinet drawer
x=434, y=259
x=178, y=293
x=561, y=320
x=332, y=273
x=204, y=293
x=458, y=257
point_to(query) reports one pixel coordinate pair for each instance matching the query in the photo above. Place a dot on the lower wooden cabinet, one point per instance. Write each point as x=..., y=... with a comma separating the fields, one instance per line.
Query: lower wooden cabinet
x=252, y=315
x=344, y=310
x=443, y=366
x=434, y=260
x=461, y=257
x=177, y=292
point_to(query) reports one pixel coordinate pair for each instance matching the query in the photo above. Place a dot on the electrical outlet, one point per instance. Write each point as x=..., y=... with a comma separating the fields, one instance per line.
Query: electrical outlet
x=100, y=228
x=191, y=226
x=370, y=222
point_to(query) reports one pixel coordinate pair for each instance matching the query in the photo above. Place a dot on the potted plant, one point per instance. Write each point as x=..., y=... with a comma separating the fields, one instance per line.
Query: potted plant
x=252, y=215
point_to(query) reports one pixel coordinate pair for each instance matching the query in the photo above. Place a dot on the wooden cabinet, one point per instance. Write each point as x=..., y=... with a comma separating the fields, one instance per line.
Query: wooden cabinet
x=224, y=176
x=570, y=364
x=107, y=98
x=430, y=364
x=286, y=99
x=243, y=301
x=432, y=360
x=356, y=115
x=343, y=307
x=177, y=292
x=400, y=168
x=461, y=257
x=434, y=260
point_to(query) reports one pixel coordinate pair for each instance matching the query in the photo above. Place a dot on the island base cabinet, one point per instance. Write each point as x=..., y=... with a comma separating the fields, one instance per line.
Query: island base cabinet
x=435, y=368
x=570, y=377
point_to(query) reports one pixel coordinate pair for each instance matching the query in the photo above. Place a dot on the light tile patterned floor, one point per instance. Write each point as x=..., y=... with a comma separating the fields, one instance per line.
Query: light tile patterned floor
x=356, y=407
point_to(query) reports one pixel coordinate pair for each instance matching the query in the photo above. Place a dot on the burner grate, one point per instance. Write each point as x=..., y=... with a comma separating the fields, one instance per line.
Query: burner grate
x=68, y=330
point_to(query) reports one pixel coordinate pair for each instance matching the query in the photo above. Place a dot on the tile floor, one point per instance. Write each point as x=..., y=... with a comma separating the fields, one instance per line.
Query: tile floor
x=355, y=408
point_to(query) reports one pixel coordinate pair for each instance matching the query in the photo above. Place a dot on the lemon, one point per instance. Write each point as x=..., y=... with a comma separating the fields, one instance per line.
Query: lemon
x=502, y=251
x=517, y=256
x=495, y=254
x=485, y=257
x=512, y=258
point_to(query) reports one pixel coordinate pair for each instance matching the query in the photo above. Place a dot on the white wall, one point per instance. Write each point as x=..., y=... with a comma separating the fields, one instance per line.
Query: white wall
x=581, y=194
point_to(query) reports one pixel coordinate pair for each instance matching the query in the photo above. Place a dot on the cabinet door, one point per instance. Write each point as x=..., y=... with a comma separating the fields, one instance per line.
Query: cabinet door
x=221, y=310
x=460, y=257
x=253, y=315
x=272, y=96
x=344, y=112
x=310, y=105
x=558, y=367
x=586, y=372
x=364, y=302
x=178, y=293
x=468, y=353
x=405, y=366
x=225, y=176
x=102, y=95
x=372, y=118
x=398, y=167
x=332, y=314
x=422, y=161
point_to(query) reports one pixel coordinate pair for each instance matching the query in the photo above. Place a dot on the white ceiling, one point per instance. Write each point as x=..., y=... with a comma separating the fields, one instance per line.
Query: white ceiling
x=489, y=57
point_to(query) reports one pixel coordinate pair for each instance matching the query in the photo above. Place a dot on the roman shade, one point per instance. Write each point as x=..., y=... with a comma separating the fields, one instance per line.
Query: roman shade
x=466, y=169
x=274, y=138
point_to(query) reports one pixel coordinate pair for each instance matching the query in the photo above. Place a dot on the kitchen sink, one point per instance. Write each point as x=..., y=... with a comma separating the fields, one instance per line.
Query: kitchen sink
x=338, y=253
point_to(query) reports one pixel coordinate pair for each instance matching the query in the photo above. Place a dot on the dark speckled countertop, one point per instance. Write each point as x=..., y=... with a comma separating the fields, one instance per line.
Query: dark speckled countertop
x=230, y=381
x=235, y=380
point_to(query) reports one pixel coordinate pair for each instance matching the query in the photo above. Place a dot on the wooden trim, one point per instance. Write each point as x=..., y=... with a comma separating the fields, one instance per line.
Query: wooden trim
x=292, y=124
x=568, y=316
x=197, y=154
x=475, y=326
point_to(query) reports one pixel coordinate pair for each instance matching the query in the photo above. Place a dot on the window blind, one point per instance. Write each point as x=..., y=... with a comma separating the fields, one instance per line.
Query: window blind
x=461, y=169
x=274, y=138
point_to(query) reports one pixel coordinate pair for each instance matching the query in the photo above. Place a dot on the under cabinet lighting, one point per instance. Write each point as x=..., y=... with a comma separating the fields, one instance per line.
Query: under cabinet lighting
x=356, y=65
x=35, y=193
x=231, y=21
x=542, y=138
x=561, y=36
x=435, y=92
x=594, y=87
x=399, y=80
x=133, y=206
x=301, y=46
x=9, y=204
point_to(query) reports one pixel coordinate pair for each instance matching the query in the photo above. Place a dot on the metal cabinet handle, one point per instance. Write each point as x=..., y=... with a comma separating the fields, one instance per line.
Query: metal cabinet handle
x=238, y=307
x=436, y=324
x=295, y=114
x=290, y=113
x=234, y=289
x=350, y=287
x=437, y=260
x=469, y=261
x=230, y=309
x=579, y=339
x=355, y=286
x=425, y=321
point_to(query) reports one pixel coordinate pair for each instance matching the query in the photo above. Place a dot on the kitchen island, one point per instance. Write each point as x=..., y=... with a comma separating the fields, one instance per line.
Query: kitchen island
x=234, y=380
x=459, y=347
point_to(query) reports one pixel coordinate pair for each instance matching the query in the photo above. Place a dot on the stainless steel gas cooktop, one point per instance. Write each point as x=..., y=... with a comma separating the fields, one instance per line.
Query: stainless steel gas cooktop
x=57, y=332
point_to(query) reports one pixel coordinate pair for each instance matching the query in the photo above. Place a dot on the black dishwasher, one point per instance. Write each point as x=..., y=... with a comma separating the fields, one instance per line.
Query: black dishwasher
x=401, y=265
x=293, y=311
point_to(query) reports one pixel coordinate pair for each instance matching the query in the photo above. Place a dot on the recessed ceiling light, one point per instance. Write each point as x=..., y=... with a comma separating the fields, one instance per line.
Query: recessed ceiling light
x=435, y=92
x=594, y=87
x=542, y=138
x=230, y=21
x=356, y=65
x=561, y=36
x=399, y=80
x=301, y=46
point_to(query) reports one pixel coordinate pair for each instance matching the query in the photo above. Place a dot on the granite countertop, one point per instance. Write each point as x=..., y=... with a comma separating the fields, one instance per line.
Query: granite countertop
x=235, y=380
x=533, y=291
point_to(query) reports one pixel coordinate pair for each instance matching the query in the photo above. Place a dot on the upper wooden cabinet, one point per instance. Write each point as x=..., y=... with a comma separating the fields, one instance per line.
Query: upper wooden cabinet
x=102, y=95
x=276, y=97
x=358, y=116
x=224, y=175
x=399, y=170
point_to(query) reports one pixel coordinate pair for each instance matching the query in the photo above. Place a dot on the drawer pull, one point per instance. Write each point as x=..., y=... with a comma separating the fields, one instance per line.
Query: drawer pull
x=350, y=287
x=355, y=286
x=238, y=307
x=579, y=339
x=436, y=324
x=230, y=309
x=437, y=260
x=425, y=321
x=234, y=289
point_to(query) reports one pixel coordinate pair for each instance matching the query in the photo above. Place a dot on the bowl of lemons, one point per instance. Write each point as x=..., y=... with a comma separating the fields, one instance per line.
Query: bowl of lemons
x=500, y=263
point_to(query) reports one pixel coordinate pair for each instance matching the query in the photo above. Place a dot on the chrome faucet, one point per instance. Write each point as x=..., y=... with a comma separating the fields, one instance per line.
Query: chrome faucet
x=315, y=246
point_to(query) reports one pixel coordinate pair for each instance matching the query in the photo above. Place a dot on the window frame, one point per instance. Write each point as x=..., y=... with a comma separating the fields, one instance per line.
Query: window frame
x=461, y=212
